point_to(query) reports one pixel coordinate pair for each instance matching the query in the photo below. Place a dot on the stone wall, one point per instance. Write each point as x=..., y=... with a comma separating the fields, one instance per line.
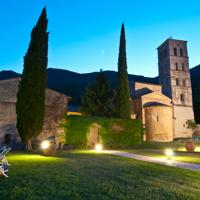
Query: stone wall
x=154, y=97
x=181, y=115
x=159, y=124
x=55, y=106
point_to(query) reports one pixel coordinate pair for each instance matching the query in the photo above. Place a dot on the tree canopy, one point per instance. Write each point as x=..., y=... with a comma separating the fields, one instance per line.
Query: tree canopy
x=99, y=98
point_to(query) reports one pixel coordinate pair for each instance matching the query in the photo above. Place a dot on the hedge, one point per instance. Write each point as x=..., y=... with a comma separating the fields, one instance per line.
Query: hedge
x=76, y=131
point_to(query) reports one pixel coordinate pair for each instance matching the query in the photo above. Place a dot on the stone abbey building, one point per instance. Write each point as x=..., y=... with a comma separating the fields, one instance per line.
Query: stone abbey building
x=165, y=108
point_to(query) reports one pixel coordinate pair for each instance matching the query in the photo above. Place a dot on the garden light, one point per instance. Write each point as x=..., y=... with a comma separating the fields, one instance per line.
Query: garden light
x=98, y=147
x=169, y=153
x=45, y=144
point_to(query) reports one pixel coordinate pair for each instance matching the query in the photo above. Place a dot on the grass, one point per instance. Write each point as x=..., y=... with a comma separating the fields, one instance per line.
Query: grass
x=86, y=175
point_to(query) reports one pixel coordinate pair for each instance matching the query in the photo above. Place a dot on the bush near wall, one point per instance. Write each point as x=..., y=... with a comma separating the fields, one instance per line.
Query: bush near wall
x=113, y=132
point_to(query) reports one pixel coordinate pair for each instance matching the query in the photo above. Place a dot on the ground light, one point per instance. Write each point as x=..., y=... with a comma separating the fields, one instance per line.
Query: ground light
x=45, y=144
x=98, y=147
x=169, y=153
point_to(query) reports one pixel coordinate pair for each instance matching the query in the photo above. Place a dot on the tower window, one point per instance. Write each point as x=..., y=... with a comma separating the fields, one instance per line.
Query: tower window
x=181, y=52
x=176, y=64
x=7, y=138
x=184, y=82
x=157, y=119
x=177, y=81
x=175, y=51
x=182, y=97
x=183, y=67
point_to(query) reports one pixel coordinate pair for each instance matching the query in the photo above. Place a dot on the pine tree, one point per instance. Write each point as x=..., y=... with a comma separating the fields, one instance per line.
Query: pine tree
x=30, y=107
x=123, y=91
x=98, y=99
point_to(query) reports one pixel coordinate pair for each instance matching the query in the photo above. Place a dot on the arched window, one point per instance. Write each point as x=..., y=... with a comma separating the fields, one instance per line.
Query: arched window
x=175, y=51
x=181, y=52
x=184, y=82
x=177, y=81
x=183, y=67
x=176, y=65
x=182, y=97
x=7, y=139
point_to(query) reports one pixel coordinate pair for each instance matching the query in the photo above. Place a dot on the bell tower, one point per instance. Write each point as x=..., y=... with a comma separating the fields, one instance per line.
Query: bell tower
x=174, y=76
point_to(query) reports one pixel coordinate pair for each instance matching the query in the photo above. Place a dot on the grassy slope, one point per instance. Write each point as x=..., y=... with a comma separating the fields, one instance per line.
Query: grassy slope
x=95, y=176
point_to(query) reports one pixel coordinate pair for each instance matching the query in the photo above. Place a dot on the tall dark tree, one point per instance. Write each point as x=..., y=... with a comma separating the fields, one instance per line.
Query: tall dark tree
x=98, y=99
x=123, y=91
x=30, y=107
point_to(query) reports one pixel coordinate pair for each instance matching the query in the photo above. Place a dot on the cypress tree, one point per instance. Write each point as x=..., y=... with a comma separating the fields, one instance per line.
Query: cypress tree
x=30, y=106
x=123, y=91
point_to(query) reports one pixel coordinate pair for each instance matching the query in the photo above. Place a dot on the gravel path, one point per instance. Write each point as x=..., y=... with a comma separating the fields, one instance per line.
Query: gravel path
x=162, y=161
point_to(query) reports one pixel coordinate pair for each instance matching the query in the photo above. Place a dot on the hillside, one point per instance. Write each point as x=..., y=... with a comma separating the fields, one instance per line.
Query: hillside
x=74, y=84
x=8, y=74
x=195, y=78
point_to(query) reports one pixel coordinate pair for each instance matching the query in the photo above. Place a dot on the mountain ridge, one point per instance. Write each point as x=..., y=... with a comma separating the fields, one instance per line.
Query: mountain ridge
x=73, y=83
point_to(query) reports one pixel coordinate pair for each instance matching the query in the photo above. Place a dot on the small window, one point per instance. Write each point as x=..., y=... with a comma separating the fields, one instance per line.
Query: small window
x=181, y=52
x=175, y=51
x=157, y=119
x=7, y=139
x=176, y=64
x=183, y=67
x=177, y=81
x=182, y=97
x=184, y=82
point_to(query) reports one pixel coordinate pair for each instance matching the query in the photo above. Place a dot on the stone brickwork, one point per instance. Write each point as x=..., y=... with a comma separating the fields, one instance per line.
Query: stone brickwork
x=55, y=106
x=159, y=125
x=174, y=76
x=150, y=105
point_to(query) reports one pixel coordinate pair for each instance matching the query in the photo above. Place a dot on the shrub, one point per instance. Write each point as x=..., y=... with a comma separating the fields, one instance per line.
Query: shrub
x=113, y=132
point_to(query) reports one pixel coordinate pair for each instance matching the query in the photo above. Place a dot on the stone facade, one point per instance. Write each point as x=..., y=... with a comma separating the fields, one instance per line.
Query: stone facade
x=171, y=101
x=174, y=76
x=150, y=106
x=55, y=106
x=159, y=125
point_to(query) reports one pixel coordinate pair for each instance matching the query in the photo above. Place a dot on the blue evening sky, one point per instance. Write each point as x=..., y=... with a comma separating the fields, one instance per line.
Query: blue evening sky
x=84, y=34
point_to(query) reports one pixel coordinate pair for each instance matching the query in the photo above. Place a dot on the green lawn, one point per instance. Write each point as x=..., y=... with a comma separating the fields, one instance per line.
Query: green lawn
x=85, y=175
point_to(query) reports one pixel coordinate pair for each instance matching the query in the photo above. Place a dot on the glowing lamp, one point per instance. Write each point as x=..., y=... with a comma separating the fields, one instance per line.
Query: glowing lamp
x=169, y=153
x=98, y=147
x=45, y=144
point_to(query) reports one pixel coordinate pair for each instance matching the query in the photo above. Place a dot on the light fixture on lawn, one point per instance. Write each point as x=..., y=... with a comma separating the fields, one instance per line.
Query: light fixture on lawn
x=45, y=144
x=98, y=147
x=169, y=153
